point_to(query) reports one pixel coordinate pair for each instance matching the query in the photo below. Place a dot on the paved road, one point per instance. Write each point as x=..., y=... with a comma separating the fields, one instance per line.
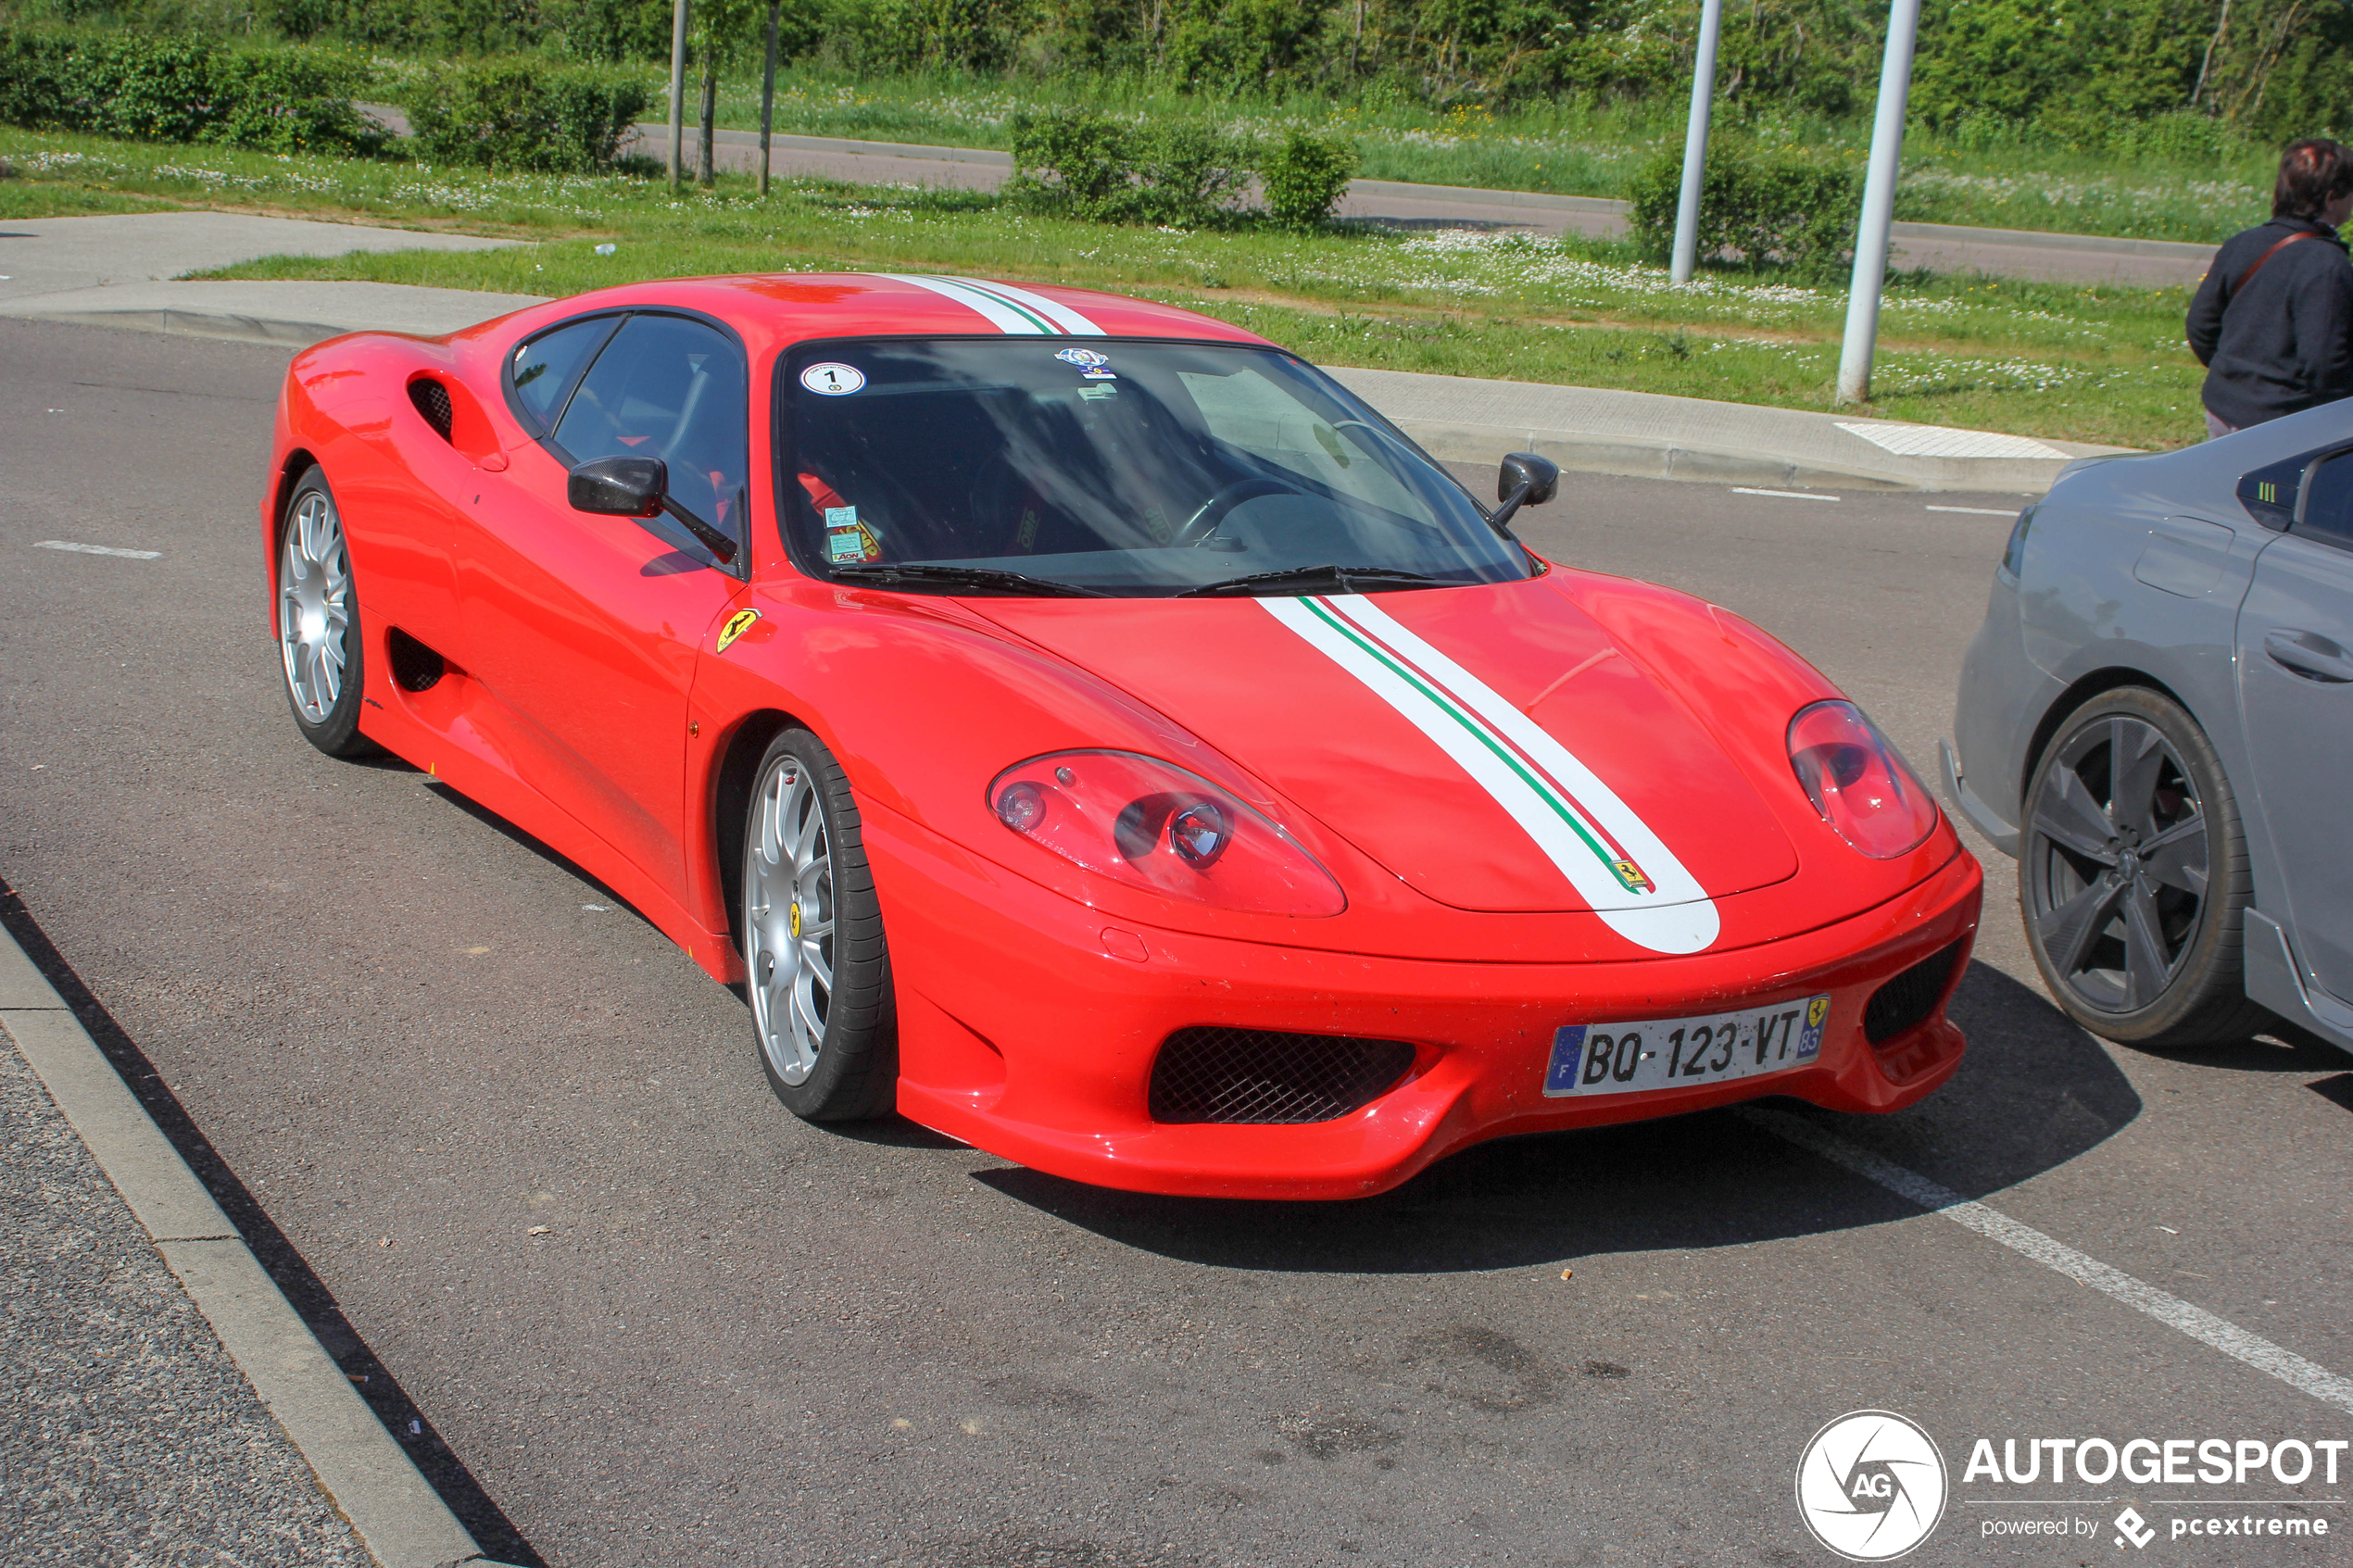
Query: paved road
x=412, y=1038
x=1940, y=247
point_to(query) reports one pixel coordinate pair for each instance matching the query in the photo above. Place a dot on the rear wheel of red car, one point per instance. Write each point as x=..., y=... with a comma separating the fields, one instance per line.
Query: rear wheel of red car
x=819, y=972
x=319, y=620
x=2132, y=875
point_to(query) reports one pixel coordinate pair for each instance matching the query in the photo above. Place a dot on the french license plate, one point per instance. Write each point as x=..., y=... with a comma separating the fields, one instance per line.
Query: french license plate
x=1664, y=1053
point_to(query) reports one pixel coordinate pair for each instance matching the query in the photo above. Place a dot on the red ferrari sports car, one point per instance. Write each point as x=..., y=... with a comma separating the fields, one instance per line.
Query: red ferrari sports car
x=1091, y=732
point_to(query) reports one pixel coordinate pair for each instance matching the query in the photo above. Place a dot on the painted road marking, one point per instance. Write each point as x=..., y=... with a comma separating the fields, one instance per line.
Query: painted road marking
x=95, y=549
x=1976, y=512
x=1995, y=1225
x=1783, y=494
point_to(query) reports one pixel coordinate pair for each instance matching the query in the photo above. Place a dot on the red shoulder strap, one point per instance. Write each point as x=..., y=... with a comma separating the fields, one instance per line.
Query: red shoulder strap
x=2277, y=246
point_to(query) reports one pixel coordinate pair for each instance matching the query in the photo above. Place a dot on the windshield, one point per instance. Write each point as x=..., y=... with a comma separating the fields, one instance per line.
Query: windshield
x=1125, y=467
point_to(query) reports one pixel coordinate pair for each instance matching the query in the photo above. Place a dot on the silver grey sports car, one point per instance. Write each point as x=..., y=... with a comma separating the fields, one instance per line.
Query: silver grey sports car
x=2156, y=719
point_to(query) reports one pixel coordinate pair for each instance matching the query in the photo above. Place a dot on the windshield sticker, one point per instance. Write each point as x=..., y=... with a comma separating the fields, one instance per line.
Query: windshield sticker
x=847, y=539
x=737, y=624
x=1026, y=536
x=833, y=378
x=1091, y=364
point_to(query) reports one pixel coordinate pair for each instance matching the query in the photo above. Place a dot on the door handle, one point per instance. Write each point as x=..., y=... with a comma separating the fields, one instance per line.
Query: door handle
x=2309, y=654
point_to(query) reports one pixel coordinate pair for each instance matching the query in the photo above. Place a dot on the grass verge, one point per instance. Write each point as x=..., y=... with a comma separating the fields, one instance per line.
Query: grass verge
x=2068, y=362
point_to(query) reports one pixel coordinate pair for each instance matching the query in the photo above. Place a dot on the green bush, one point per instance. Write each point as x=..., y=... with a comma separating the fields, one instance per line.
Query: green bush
x=185, y=90
x=1757, y=208
x=1072, y=164
x=1306, y=175
x=523, y=114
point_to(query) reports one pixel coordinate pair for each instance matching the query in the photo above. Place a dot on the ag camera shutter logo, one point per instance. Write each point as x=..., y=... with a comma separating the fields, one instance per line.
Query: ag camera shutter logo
x=1871, y=1486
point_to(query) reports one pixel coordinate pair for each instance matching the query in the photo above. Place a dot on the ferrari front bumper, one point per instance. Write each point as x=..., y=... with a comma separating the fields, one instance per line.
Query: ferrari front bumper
x=1029, y=1024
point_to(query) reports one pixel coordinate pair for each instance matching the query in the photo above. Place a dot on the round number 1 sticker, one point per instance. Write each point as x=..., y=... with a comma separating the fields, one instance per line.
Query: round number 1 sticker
x=832, y=380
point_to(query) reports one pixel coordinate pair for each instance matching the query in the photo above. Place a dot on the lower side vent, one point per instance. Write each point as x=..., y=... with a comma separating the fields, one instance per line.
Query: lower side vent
x=1265, y=1075
x=415, y=668
x=1907, y=999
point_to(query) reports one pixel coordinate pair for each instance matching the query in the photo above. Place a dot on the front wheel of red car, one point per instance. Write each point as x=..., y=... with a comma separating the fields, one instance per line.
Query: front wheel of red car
x=818, y=971
x=319, y=620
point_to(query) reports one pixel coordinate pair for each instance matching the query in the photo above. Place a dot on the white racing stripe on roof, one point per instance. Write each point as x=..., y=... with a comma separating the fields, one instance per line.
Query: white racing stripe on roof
x=1003, y=315
x=1061, y=315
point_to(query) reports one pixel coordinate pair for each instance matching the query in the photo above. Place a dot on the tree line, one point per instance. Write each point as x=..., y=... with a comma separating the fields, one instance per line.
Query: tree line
x=2077, y=71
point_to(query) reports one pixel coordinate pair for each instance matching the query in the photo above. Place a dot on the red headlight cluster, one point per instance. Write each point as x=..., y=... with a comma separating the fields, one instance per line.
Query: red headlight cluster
x=1154, y=826
x=1857, y=782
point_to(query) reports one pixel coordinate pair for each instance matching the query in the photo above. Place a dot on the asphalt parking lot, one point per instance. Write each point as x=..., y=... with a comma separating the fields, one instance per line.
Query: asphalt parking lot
x=401, y=1039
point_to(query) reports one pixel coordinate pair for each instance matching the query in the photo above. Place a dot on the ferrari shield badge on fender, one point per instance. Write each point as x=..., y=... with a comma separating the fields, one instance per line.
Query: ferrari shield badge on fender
x=737, y=624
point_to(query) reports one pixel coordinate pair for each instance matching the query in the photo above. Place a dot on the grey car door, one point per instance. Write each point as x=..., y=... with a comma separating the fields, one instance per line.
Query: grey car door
x=2295, y=689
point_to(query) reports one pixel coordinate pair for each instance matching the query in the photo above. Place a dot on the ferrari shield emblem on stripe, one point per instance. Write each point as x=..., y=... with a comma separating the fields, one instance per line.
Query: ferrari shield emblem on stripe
x=737, y=624
x=1633, y=876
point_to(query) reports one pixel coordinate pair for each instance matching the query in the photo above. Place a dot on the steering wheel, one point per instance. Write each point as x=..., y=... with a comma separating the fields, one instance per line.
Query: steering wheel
x=1202, y=525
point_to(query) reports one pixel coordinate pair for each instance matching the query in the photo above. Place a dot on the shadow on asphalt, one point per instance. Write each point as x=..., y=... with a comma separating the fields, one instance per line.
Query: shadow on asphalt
x=492, y=1530
x=2034, y=1093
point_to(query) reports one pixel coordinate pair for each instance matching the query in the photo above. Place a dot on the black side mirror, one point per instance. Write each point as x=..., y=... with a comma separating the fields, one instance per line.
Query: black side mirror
x=639, y=487
x=618, y=486
x=1525, y=479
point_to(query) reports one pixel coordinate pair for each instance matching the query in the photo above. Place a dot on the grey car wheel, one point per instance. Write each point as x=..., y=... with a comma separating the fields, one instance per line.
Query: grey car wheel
x=817, y=968
x=2132, y=874
x=319, y=641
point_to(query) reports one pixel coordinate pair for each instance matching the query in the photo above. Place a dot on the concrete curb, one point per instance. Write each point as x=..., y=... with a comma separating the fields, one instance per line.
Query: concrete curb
x=399, y=1518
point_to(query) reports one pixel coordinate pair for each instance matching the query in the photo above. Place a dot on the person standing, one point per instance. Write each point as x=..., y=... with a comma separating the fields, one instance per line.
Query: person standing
x=2272, y=322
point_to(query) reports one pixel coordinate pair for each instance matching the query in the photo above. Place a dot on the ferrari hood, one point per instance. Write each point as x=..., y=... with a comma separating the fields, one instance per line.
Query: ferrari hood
x=1492, y=746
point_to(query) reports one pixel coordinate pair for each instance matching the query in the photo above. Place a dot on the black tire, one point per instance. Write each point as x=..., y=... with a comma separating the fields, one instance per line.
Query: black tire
x=830, y=1051
x=329, y=720
x=2132, y=875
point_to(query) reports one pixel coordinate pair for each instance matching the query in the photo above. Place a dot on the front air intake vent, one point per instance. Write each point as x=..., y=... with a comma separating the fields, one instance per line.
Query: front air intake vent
x=415, y=668
x=1263, y=1075
x=1905, y=1001
x=432, y=400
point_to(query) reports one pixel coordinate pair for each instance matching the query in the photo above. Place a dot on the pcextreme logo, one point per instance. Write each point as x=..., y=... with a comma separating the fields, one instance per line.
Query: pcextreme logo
x=1871, y=1486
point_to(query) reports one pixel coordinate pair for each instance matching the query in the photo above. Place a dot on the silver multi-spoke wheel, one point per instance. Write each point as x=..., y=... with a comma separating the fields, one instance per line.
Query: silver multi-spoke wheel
x=788, y=918
x=314, y=606
x=2119, y=863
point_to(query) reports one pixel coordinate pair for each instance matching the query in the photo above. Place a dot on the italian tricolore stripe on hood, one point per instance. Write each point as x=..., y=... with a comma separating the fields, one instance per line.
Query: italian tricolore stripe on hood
x=1609, y=855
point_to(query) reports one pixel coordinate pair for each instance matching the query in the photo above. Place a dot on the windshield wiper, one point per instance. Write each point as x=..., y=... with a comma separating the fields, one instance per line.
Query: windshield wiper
x=937, y=574
x=1347, y=578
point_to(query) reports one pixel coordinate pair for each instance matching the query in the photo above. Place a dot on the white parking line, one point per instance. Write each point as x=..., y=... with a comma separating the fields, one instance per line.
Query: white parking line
x=1784, y=495
x=95, y=549
x=1975, y=512
x=1992, y=1224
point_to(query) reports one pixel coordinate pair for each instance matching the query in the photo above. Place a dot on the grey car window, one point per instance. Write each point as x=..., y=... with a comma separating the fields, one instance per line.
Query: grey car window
x=2328, y=503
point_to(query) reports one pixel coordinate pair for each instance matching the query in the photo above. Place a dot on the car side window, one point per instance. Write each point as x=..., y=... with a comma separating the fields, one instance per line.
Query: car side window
x=545, y=368
x=2328, y=503
x=671, y=388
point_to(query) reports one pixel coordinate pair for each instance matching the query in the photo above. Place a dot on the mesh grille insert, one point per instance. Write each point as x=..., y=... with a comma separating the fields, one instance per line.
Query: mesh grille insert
x=432, y=400
x=1265, y=1075
x=1907, y=999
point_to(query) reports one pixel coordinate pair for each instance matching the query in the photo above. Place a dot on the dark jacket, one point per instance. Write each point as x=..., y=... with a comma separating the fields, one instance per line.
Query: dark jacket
x=2286, y=343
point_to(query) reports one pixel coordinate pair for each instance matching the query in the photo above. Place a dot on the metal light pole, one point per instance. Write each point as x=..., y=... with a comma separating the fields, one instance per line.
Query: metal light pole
x=1711, y=23
x=768, y=97
x=677, y=92
x=1879, y=205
